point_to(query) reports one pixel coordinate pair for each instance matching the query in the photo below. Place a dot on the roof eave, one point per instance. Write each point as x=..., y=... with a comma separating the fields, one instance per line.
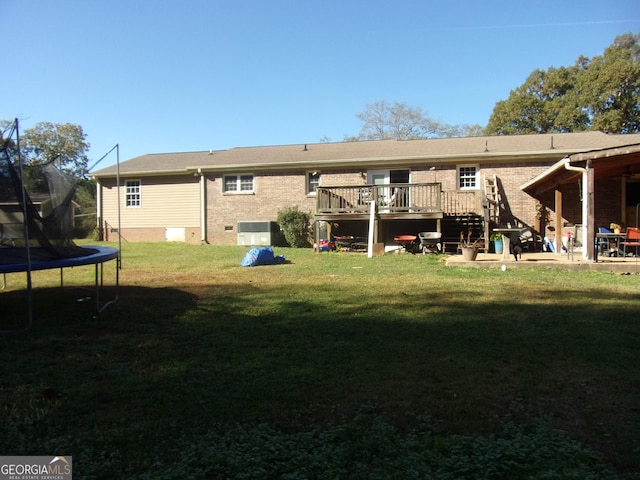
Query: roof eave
x=502, y=157
x=351, y=163
x=142, y=173
x=560, y=173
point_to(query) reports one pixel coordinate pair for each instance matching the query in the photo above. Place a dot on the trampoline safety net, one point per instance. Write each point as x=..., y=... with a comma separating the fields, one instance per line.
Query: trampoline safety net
x=36, y=205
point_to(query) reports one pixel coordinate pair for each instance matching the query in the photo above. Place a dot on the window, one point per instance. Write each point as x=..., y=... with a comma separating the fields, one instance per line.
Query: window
x=313, y=182
x=238, y=183
x=399, y=176
x=468, y=178
x=132, y=193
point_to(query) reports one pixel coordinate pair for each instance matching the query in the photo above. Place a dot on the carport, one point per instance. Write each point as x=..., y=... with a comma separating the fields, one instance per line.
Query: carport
x=608, y=184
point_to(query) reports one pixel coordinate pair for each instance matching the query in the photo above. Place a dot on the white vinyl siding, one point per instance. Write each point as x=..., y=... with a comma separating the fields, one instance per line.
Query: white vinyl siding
x=168, y=202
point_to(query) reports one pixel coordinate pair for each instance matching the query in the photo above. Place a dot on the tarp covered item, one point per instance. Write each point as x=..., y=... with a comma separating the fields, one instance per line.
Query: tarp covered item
x=261, y=256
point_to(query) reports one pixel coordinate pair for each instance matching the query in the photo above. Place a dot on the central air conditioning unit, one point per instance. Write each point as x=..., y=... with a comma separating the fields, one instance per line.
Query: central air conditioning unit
x=259, y=233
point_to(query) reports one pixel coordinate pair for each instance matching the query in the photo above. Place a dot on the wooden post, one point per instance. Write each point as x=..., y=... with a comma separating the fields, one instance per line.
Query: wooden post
x=372, y=228
x=590, y=233
x=539, y=223
x=486, y=237
x=558, y=221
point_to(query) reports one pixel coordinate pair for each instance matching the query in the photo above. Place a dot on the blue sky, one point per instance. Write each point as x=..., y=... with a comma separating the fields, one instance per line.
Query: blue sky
x=169, y=76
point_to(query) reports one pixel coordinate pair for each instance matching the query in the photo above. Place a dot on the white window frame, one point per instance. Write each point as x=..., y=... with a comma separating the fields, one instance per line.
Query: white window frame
x=239, y=179
x=463, y=176
x=133, y=193
x=313, y=181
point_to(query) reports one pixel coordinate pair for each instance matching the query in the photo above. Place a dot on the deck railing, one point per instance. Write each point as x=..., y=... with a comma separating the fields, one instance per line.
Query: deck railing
x=394, y=198
x=461, y=203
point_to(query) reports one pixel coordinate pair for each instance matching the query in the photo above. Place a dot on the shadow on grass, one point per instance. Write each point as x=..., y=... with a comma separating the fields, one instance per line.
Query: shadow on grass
x=78, y=305
x=164, y=363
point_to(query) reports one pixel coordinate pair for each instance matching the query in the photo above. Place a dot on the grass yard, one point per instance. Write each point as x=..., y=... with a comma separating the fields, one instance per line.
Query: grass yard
x=332, y=366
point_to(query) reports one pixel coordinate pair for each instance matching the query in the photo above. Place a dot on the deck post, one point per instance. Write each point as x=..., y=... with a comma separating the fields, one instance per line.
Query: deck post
x=558, y=220
x=372, y=227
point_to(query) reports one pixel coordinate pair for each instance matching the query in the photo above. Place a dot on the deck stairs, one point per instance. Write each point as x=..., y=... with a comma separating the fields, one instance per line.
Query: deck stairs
x=453, y=226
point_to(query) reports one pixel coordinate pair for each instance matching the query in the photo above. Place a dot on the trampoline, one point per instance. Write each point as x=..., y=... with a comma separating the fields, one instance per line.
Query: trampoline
x=18, y=260
x=36, y=224
x=14, y=259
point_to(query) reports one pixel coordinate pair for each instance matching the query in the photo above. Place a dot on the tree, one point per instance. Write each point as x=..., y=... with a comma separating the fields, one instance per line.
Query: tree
x=381, y=120
x=64, y=143
x=6, y=127
x=611, y=84
x=85, y=221
x=602, y=93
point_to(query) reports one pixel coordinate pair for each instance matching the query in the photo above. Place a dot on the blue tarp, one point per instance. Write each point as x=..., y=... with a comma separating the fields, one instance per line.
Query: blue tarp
x=261, y=256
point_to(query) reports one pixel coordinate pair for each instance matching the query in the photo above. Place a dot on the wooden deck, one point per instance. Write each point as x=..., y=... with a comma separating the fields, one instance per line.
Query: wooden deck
x=394, y=201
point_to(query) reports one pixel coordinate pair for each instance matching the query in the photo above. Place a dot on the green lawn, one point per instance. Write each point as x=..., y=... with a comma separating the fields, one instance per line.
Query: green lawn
x=333, y=365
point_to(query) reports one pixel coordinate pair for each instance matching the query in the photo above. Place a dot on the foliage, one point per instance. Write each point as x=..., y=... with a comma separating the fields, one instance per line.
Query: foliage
x=602, y=93
x=369, y=448
x=542, y=212
x=296, y=226
x=65, y=146
x=63, y=143
x=6, y=131
x=381, y=121
x=85, y=221
x=467, y=243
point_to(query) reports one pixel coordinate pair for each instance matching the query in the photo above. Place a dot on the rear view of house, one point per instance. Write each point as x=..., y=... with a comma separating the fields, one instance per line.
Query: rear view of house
x=447, y=185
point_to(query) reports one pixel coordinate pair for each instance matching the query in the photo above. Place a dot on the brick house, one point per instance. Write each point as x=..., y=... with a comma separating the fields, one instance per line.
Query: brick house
x=449, y=185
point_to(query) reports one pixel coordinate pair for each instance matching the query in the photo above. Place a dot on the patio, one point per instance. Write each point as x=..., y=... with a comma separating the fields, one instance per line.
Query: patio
x=620, y=265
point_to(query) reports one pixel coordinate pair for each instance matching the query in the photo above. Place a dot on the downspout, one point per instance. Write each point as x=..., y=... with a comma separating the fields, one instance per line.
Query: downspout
x=203, y=207
x=585, y=204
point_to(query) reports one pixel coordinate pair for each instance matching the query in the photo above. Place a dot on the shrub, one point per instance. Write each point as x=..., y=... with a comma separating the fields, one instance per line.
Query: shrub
x=296, y=226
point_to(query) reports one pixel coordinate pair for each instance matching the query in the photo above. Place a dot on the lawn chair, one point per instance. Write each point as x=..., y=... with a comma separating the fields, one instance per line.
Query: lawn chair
x=632, y=240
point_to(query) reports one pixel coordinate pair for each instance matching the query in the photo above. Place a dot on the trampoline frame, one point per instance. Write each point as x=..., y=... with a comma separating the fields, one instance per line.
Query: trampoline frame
x=98, y=259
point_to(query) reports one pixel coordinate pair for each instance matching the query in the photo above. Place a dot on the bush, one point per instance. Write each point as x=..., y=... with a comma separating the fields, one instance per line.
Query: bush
x=296, y=226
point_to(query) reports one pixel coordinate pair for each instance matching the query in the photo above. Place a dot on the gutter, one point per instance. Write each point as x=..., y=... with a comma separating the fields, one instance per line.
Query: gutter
x=143, y=173
x=355, y=163
x=559, y=165
x=352, y=162
x=203, y=207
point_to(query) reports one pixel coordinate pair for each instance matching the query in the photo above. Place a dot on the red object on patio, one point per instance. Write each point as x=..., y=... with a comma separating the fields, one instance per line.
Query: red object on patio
x=632, y=240
x=405, y=240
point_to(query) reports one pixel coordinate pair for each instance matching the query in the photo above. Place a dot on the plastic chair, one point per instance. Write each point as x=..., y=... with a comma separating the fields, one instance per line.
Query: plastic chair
x=632, y=240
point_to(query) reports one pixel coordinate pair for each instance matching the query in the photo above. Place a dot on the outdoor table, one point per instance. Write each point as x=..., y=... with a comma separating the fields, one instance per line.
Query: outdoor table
x=609, y=238
x=506, y=241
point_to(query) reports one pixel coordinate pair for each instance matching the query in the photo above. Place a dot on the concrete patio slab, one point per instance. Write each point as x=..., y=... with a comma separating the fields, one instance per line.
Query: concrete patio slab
x=628, y=265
